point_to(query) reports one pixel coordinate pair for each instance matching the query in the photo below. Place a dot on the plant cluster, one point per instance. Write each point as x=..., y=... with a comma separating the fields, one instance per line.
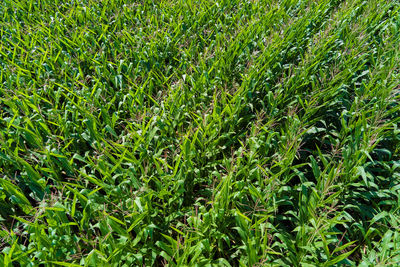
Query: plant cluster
x=199, y=133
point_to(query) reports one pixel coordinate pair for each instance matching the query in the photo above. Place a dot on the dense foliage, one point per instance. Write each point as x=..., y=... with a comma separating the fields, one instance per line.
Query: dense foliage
x=199, y=133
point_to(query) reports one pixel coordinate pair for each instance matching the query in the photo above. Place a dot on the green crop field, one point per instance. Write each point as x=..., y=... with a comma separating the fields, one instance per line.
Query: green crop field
x=199, y=133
